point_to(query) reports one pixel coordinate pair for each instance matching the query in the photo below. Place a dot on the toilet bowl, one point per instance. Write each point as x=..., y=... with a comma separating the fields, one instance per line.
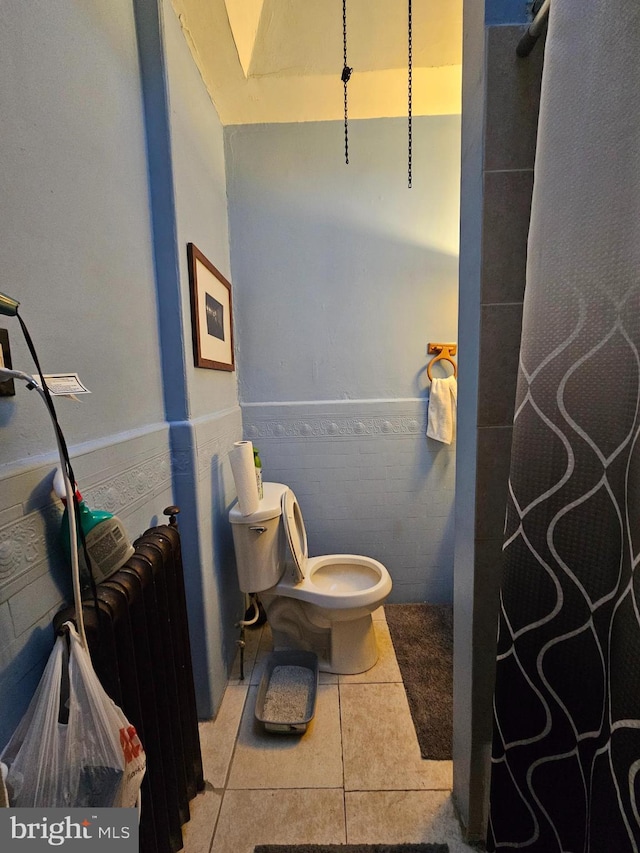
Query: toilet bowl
x=321, y=604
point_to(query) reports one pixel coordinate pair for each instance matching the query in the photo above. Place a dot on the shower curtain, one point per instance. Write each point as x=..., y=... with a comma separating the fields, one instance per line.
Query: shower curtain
x=566, y=753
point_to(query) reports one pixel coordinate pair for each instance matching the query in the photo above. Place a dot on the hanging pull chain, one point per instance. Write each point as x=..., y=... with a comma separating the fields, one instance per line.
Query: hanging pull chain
x=346, y=75
x=409, y=100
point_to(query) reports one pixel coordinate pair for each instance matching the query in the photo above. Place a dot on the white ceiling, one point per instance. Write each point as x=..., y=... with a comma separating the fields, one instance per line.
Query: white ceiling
x=281, y=60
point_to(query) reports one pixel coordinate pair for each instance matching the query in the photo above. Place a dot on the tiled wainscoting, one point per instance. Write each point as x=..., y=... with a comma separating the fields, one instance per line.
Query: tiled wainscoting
x=368, y=482
x=356, y=775
x=128, y=475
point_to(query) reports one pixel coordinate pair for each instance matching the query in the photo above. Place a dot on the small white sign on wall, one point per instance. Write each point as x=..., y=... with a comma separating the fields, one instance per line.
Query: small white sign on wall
x=65, y=384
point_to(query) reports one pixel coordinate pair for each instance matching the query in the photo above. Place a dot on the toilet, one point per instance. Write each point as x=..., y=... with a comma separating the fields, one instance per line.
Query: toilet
x=319, y=604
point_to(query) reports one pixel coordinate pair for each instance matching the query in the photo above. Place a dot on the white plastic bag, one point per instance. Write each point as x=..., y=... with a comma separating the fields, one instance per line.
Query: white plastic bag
x=93, y=759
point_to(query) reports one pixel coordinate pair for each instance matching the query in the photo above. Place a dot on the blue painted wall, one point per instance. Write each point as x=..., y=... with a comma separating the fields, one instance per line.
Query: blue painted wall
x=343, y=275
x=96, y=216
x=507, y=11
x=75, y=247
x=204, y=482
x=76, y=250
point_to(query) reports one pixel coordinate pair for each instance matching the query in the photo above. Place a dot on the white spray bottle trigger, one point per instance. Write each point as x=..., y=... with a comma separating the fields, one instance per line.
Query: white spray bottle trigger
x=59, y=486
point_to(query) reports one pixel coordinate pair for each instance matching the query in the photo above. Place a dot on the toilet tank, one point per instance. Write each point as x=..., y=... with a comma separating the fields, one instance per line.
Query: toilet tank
x=258, y=540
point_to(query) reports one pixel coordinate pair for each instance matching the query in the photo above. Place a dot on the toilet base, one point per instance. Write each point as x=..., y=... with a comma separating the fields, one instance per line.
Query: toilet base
x=353, y=646
x=344, y=647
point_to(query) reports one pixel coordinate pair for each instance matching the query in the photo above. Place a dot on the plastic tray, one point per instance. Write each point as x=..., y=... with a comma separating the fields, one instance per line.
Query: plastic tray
x=287, y=706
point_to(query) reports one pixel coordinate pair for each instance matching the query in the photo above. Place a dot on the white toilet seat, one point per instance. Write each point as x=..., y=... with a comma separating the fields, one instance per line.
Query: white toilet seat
x=296, y=533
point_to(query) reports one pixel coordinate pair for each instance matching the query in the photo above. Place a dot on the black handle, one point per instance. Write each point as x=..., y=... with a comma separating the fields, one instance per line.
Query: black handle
x=172, y=512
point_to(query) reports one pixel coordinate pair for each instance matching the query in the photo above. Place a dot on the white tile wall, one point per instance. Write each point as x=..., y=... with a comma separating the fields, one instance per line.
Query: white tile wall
x=368, y=482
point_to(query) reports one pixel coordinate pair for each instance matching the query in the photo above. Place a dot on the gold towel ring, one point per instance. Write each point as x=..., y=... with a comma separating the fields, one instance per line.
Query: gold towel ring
x=443, y=351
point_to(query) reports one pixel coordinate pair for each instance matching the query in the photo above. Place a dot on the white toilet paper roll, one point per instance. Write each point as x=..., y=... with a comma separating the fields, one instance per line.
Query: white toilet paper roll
x=244, y=474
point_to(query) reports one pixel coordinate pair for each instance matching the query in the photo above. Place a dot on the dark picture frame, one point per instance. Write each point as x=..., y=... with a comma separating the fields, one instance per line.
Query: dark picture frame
x=211, y=313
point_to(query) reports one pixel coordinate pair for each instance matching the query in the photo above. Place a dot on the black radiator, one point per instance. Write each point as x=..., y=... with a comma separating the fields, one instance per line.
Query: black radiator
x=139, y=644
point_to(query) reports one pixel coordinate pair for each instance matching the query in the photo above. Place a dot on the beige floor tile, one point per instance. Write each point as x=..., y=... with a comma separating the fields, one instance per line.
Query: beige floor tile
x=379, y=614
x=386, y=668
x=394, y=817
x=248, y=818
x=198, y=832
x=287, y=789
x=311, y=760
x=380, y=748
x=217, y=737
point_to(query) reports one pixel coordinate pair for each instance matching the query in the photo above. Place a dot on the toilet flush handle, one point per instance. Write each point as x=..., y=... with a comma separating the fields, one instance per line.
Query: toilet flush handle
x=259, y=529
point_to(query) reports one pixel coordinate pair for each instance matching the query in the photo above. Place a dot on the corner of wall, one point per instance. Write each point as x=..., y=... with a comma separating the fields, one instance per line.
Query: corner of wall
x=499, y=139
x=188, y=199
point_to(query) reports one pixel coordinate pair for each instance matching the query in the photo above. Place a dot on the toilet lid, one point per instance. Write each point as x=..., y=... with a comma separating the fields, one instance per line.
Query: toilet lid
x=295, y=530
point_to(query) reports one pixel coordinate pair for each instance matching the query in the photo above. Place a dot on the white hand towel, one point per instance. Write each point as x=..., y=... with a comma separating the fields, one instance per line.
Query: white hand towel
x=443, y=398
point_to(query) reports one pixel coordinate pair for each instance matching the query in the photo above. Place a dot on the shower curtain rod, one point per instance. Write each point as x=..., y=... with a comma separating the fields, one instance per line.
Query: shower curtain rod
x=529, y=39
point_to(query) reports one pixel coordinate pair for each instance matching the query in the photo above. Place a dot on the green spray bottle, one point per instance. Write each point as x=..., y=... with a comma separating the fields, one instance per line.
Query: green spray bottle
x=107, y=542
x=258, y=465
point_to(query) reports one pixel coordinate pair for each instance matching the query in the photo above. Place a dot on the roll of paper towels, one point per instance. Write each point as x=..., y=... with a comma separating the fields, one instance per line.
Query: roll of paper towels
x=244, y=474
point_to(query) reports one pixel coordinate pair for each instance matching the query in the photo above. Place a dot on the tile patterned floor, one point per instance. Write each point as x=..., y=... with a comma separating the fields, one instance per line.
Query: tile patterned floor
x=356, y=775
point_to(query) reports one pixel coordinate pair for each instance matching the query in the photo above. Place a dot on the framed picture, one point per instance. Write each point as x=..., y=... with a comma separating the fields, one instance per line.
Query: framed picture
x=211, y=314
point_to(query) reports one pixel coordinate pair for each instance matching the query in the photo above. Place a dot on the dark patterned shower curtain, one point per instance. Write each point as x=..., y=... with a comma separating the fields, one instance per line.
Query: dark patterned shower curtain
x=566, y=754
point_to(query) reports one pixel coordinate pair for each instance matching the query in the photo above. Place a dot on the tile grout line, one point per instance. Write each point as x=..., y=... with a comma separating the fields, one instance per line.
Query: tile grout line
x=247, y=679
x=344, y=784
x=218, y=824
